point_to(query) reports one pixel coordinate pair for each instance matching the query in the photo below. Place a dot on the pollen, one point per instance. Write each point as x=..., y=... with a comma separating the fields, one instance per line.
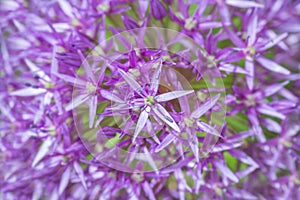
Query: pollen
x=149, y=100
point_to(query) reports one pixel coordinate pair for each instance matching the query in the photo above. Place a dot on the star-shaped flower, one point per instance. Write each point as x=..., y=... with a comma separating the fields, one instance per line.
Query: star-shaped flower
x=149, y=101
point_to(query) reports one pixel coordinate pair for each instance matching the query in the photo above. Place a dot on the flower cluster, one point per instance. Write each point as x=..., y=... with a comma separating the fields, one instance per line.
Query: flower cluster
x=149, y=99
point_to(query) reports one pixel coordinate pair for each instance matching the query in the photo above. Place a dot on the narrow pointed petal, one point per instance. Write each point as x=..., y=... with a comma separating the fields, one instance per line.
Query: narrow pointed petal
x=166, y=141
x=92, y=110
x=231, y=68
x=243, y=157
x=70, y=79
x=172, y=95
x=150, y=160
x=193, y=142
x=140, y=123
x=27, y=92
x=148, y=191
x=203, y=108
x=226, y=171
x=64, y=180
x=119, y=107
x=208, y=129
x=272, y=89
x=272, y=66
x=252, y=28
x=183, y=101
x=234, y=37
x=87, y=68
x=164, y=115
x=156, y=79
x=249, y=65
x=273, y=42
x=44, y=149
x=252, y=115
x=131, y=82
x=244, y=4
x=268, y=110
x=80, y=173
x=76, y=102
x=110, y=96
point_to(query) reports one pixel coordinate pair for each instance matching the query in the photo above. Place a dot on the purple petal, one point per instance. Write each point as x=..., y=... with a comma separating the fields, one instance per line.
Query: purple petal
x=203, y=108
x=268, y=110
x=272, y=66
x=252, y=28
x=27, y=92
x=157, y=9
x=156, y=79
x=193, y=142
x=172, y=95
x=92, y=110
x=232, y=68
x=208, y=129
x=80, y=173
x=244, y=4
x=164, y=115
x=44, y=149
x=272, y=89
x=64, y=180
x=249, y=65
x=130, y=80
x=110, y=96
x=252, y=115
x=87, y=68
x=166, y=141
x=149, y=159
x=141, y=122
x=273, y=42
x=148, y=190
x=76, y=102
x=226, y=171
x=70, y=79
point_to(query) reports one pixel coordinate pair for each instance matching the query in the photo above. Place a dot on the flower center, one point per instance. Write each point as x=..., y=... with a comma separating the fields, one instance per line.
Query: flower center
x=250, y=101
x=251, y=51
x=190, y=23
x=149, y=100
x=90, y=88
x=189, y=122
x=104, y=7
